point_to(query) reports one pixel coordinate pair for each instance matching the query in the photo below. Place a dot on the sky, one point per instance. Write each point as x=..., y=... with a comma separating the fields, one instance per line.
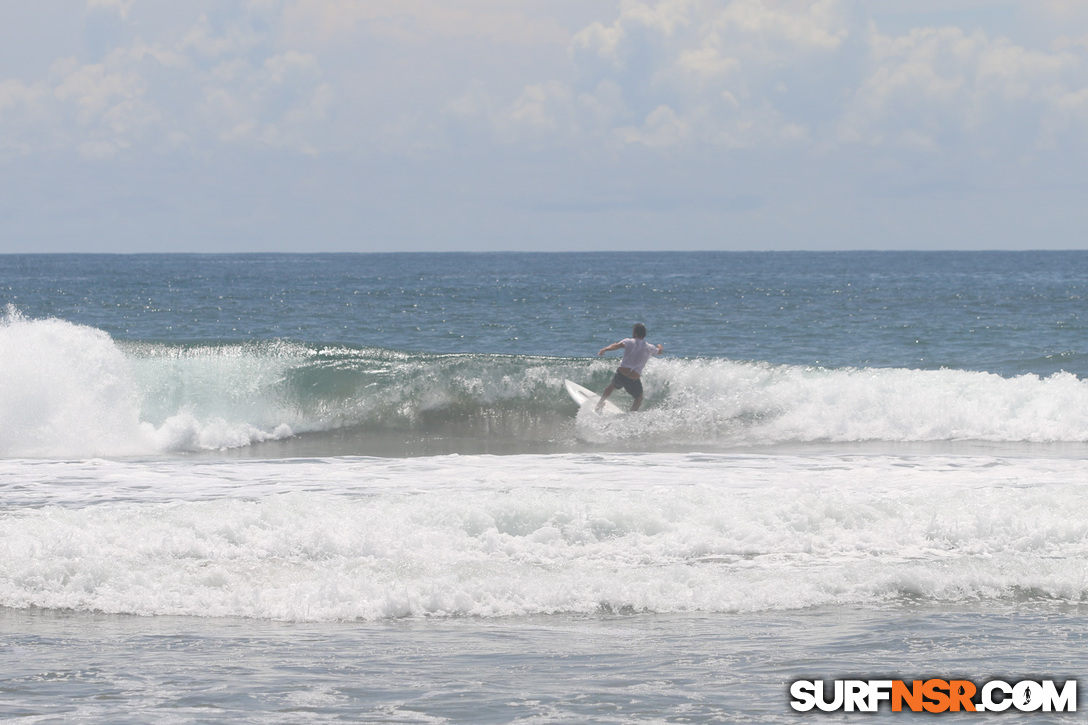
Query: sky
x=542, y=125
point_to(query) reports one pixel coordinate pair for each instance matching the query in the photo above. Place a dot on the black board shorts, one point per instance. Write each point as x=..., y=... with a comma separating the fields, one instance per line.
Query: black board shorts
x=631, y=385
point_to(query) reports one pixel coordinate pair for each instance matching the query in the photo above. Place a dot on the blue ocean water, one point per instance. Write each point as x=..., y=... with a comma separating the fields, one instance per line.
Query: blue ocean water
x=360, y=475
x=1002, y=312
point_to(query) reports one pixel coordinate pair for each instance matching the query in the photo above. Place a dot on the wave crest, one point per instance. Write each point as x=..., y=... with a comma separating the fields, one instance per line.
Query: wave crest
x=70, y=390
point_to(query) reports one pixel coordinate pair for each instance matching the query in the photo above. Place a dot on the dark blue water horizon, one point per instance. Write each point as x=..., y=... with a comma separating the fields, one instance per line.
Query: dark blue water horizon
x=1004, y=312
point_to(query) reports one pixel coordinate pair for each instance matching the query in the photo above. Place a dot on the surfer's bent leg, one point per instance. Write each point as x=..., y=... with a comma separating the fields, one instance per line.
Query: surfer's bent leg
x=634, y=388
x=604, y=396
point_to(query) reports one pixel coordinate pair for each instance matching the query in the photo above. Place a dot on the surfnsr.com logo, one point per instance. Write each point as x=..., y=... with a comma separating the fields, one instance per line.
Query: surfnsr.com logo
x=934, y=695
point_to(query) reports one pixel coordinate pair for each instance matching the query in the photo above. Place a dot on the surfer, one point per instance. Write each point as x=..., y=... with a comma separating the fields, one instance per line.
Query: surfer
x=636, y=352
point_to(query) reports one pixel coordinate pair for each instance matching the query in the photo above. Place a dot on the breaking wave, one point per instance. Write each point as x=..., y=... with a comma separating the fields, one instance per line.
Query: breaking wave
x=70, y=390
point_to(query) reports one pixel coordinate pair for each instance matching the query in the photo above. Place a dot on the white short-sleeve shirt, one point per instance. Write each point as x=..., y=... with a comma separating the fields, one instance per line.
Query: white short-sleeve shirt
x=635, y=353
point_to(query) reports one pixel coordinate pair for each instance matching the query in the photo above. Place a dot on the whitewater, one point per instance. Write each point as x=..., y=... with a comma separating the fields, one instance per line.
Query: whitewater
x=282, y=488
x=373, y=538
x=72, y=390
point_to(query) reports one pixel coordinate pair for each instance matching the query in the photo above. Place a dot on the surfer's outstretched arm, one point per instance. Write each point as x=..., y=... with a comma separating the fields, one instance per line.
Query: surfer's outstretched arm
x=610, y=348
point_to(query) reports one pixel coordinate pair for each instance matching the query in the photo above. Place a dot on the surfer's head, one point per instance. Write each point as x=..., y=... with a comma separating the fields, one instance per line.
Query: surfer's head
x=639, y=331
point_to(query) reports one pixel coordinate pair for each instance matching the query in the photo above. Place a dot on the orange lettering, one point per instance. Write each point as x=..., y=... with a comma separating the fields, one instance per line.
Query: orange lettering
x=961, y=692
x=935, y=690
x=913, y=695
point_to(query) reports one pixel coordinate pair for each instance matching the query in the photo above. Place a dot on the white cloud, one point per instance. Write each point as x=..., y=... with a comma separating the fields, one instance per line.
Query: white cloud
x=945, y=86
x=675, y=75
x=773, y=104
x=16, y=96
x=93, y=91
x=818, y=25
x=282, y=103
x=24, y=110
x=763, y=29
x=237, y=39
x=611, y=42
x=707, y=62
x=696, y=73
x=543, y=110
x=661, y=129
x=204, y=86
x=545, y=114
x=767, y=73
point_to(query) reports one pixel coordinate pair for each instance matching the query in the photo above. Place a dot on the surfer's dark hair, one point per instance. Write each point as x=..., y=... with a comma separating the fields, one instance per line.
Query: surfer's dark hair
x=639, y=331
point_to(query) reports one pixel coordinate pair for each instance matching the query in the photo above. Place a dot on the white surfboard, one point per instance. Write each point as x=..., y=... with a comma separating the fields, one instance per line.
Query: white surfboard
x=585, y=396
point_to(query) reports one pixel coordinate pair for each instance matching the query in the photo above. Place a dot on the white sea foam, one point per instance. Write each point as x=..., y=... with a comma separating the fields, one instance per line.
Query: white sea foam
x=71, y=391
x=485, y=536
x=708, y=402
x=64, y=387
